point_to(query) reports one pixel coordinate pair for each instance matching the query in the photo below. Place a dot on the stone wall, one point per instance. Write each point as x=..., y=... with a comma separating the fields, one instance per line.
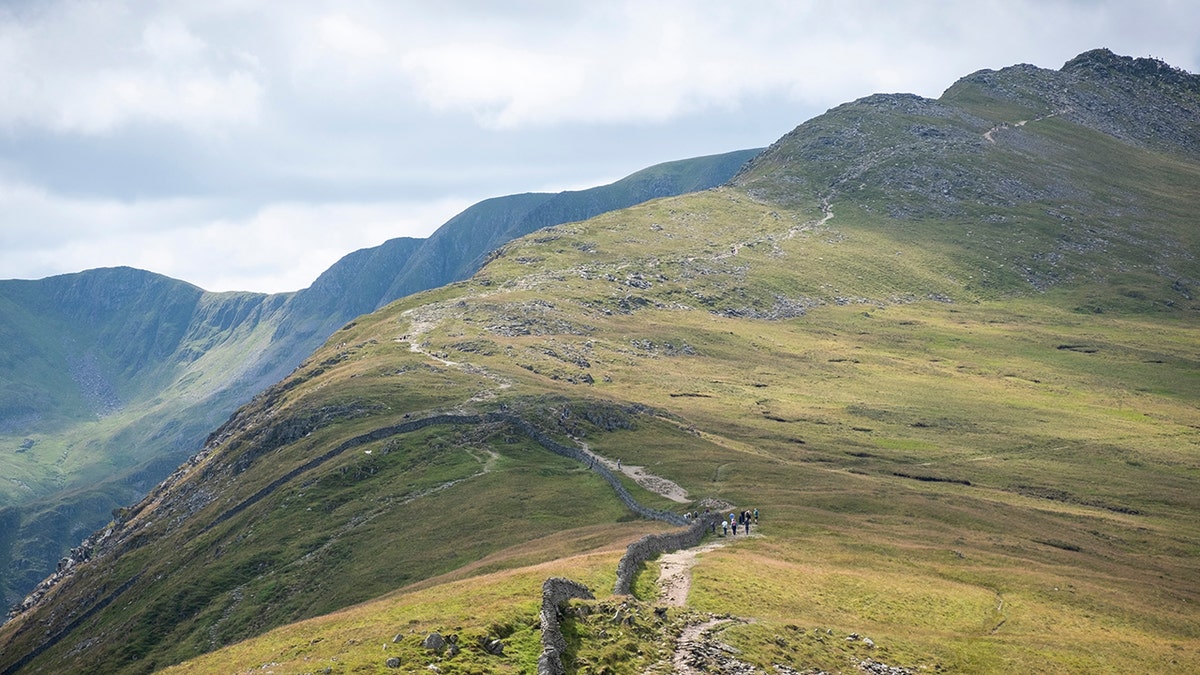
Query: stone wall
x=572, y=452
x=172, y=493
x=556, y=591
x=653, y=545
x=579, y=454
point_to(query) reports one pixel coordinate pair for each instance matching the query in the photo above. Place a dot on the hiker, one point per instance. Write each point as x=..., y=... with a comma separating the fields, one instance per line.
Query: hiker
x=756, y=515
x=724, y=529
x=746, y=521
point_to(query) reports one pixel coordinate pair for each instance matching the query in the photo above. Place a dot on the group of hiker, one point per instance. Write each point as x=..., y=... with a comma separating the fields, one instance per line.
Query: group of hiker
x=743, y=520
x=734, y=522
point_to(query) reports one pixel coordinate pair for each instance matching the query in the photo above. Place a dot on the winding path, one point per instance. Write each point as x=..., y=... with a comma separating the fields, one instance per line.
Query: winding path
x=990, y=134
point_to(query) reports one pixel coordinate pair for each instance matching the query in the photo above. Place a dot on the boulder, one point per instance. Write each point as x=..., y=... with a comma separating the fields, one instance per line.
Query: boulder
x=434, y=642
x=492, y=646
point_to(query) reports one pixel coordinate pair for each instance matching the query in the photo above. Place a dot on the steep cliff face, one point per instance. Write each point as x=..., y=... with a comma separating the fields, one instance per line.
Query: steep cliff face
x=122, y=334
x=102, y=324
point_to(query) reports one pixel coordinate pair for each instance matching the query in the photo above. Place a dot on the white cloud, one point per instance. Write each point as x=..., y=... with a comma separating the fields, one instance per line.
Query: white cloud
x=277, y=247
x=612, y=64
x=304, y=240
x=504, y=85
x=637, y=61
x=92, y=68
x=168, y=39
x=342, y=33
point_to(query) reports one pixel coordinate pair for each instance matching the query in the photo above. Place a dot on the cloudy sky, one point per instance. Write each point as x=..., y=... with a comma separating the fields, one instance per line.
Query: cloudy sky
x=249, y=144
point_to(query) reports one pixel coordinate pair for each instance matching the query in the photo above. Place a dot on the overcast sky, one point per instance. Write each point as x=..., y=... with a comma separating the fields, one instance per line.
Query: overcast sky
x=248, y=144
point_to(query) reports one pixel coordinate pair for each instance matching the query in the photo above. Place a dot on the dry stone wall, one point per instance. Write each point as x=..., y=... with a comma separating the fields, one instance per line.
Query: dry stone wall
x=653, y=545
x=556, y=591
x=579, y=454
x=175, y=489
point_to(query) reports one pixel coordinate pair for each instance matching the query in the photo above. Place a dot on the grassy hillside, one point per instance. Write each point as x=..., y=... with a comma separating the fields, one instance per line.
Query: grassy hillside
x=993, y=486
x=110, y=378
x=457, y=250
x=969, y=423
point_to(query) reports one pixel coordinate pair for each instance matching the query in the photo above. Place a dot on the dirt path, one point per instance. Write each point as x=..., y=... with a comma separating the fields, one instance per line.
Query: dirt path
x=675, y=575
x=691, y=651
x=990, y=134
x=413, y=338
x=656, y=484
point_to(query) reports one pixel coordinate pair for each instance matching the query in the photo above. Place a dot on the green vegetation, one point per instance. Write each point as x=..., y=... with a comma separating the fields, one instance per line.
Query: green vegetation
x=111, y=378
x=970, y=428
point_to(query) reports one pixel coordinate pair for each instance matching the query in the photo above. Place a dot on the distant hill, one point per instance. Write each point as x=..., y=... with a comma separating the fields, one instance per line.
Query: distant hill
x=110, y=378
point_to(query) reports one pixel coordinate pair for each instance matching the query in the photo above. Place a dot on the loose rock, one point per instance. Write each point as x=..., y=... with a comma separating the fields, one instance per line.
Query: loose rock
x=434, y=642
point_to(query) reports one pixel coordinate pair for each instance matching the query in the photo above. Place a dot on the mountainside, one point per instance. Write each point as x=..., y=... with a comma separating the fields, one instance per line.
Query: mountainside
x=367, y=280
x=1021, y=164
x=449, y=256
x=110, y=378
x=946, y=348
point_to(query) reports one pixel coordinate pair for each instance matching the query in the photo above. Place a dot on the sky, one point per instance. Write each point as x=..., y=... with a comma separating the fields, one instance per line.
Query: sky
x=249, y=144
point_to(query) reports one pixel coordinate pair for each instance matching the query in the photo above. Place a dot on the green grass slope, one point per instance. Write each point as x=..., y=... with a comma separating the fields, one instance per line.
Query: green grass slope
x=109, y=382
x=970, y=424
x=110, y=378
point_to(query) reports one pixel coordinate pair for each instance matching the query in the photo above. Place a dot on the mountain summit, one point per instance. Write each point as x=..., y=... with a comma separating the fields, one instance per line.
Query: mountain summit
x=944, y=350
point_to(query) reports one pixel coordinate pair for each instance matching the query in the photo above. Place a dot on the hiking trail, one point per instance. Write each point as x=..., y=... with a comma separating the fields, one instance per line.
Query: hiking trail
x=656, y=484
x=675, y=574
